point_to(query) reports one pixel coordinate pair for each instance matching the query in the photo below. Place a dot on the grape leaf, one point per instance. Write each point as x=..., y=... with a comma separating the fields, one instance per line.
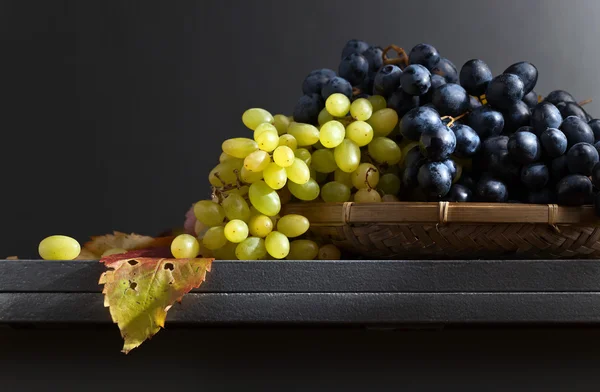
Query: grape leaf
x=99, y=244
x=142, y=285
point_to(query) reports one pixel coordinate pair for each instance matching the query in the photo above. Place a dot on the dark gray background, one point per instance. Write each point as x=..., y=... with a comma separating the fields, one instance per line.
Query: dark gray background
x=114, y=112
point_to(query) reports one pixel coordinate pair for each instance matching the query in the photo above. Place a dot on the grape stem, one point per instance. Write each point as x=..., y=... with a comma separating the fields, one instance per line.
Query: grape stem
x=453, y=119
x=356, y=91
x=585, y=102
x=401, y=59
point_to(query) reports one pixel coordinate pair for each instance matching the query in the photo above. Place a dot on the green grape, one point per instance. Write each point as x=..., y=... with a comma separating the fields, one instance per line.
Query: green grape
x=347, y=156
x=338, y=105
x=307, y=191
x=329, y=252
x=277, y=244
x=252, y=248
x=293, y=225
x=366, y=176
x=185, y=246
x=378, y=102
x=361, y=109
x=236, y=231
x=335, y=192
x=283, y=156
x=268, y=141
x=113, y=251
x=239, y=147
x=385, y=150
x=257, y=161
x=324, y=116
x=59, y=247
x=226, y=252
x=264, y=198
x=235, y=207
x=275, y=176
x=389, y=184
x=289, y=141
x=225, y=157
x=393, y=169
x=209, y=212
x=304, y=155
x=342, y=177
x=405, y=147
x=305, y=134
x=303, y=250
x=366, y=195
x=332, y=133
x=298, y=172
x=360, y=133
x=389, y=198
x=214, y=238
x=241, y=191
x=281, y=122
x=323, y=161
x=262, y=128
x=252, y=118
x=225, y=173
x=250, y=177
x=383, y=121
x=260, y=225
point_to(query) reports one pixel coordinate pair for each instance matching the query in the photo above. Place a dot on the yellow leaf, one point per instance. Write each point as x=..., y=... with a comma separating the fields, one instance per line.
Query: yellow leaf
x=100, y=244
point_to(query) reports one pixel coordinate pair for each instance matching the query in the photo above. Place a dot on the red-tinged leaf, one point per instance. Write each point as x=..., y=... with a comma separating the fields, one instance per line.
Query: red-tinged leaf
x=139, y=290
x=100, y=244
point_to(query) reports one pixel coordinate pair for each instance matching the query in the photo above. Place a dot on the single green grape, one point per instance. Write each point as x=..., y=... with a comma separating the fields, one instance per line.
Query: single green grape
x=383, y=121
x=252, y=118
x=226, y=252
x=378, y=102
x=304, y=155
x=185, y=246
x=323, y=161
x=305, y=134
x=209, y=212
x=239, y=147
x=113, y=251
x=264, y=198
x=236, y=207
x=361, y=109
x=338, y=105
x=384, y=150
x=277, y=244
x=335, y=192
x=289, y=141
x=236, y=231
x=262, y=128
x=225, y=157
x=365, y=176
x=324, y=117
x=283, y=156
x=281, y=122
x=332, y=133
x=389, y=184
x=307, y=191
x=225, y=173
x=298, y=172
x=293, y=225
x=347, y=156
x=252, y=248
x=257, y=161
x=303, y=250
x=360, y=133
x=275, y=176
x=59, y=247
x=260, y=225
x=214, y=238
x=268, y=141
x=329, y=252
x=343, y=178
x=366, y=195
x=250, y=177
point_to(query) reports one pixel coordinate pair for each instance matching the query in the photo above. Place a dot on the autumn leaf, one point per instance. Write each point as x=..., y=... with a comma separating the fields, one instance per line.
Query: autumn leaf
x=142, y=285
x=93, y=249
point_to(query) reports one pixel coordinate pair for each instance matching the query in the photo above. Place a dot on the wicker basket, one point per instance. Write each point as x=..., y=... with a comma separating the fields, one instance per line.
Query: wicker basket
x=408, y=230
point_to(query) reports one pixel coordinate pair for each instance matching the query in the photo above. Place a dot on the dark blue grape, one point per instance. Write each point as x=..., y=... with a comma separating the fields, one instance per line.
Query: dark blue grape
x=526, y=128
x=504, y=91
x=545, y=115
x=374, y=56
x=402, y=102
x=425, y=55
x=542, y=196
x=554, y=142
x=524, y=147
x=474, y=103
x=494, y=144
x=595, y=126
x=567, y=109
x=574, y=190
x=492, y=190
x=559, y=168
x=436, y=82
x=531, y=99
x=434, y=179
x=410, y=177
x=316, y=79
x=577, y=131
x=450, y=100
x=558, y=96
x=517, y=116
x=354, y=46
x=535, y=176
x=466, y=180
x=437, y=144
x=475, y=76
x=414, y=158
x=467, y=141
x=581, y=159
x=445, y=68
x=415, y=80
x=527, y=72
x=354, y=68
x=387, y=80
x=307, y=108
x=336, y=85
x=502, y=166
x=486, y=122
x=459, y=193
x=596, y=175
x=418, y=120
x=452, y=166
